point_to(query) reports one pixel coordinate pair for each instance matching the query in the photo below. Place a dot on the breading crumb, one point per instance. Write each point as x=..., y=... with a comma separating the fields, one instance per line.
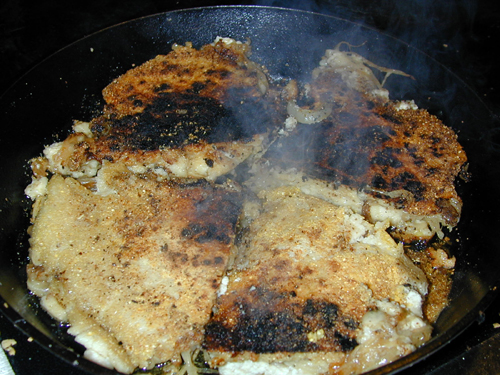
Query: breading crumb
x=8, y=346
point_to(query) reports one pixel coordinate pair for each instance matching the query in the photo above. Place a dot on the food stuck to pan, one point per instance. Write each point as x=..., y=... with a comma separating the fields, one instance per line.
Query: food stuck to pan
x=215, y=220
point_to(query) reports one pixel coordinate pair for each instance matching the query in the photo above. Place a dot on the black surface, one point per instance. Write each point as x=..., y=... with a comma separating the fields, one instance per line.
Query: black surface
x=465, y=41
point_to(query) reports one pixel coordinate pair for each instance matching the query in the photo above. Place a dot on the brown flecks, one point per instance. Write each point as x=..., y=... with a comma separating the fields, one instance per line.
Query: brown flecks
x=282, y=264
x=334, y=266
x=178, y=257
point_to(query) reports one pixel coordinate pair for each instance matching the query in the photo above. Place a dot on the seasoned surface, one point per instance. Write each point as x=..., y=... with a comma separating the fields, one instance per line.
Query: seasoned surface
x=148, y=258
x=214, y=94
x=138, y=268
x=386, y=146
x=306, y=273
x=209, y=72
x=192, y=113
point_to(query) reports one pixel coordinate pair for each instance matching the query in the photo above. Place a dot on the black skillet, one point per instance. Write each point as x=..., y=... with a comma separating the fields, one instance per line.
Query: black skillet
x=67, y=86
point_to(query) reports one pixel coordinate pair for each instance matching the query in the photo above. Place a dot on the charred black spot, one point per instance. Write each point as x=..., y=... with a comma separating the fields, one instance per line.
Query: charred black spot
x=260, y=332
x=196, y=87
x=98, y=128
x=378, y=182
x=408, y=181
x=209, y=162
x=203, y=233
x=376, y=135
x=178, y=119
x=392, y=132
x=276, y=325
x=411, y=150
x=434, y=140
x=436, y=153
x=418, y=162
x=271, y=334
x=162, y=87
x=351, y=324
x=178, y=257
x=346, y=343
x=418, y=245
x=220, y=72
x=209, y=233
x=326, y=312
x=192, y=230
x=387, y=157
x=115, y=147
x=347, y=150
x=169, y=67
x=431, y=171
x=389, y=118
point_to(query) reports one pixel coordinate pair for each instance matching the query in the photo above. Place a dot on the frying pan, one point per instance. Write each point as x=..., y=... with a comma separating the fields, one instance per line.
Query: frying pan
x=40, y=108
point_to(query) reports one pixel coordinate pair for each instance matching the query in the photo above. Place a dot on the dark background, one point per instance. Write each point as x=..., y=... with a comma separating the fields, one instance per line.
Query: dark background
x=464, y=35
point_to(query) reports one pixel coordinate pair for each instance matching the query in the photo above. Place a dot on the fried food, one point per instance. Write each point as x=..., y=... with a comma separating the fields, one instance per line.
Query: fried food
x=263, y=222
x=134, y=270
x=306, y=274
x=391, y=150
x=188, y=114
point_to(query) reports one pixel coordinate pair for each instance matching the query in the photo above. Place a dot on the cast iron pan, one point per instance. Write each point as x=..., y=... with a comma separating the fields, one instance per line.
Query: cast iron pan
x=290, y=43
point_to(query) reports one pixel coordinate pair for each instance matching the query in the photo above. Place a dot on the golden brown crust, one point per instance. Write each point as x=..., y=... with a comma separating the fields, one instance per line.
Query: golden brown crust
x=382, y=145
x=192, y=113
x=304, y=278
x=303, y=273
x=214, y=94
x=208, y=72
x=144, y=261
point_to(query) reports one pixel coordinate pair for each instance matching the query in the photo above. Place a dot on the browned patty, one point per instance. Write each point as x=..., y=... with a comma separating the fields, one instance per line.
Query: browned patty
x=303, y=268
x=199, y=111
x=209, y=72
x=136, y=271
x=213, y=94
x=303, y=278
x=366, y=142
